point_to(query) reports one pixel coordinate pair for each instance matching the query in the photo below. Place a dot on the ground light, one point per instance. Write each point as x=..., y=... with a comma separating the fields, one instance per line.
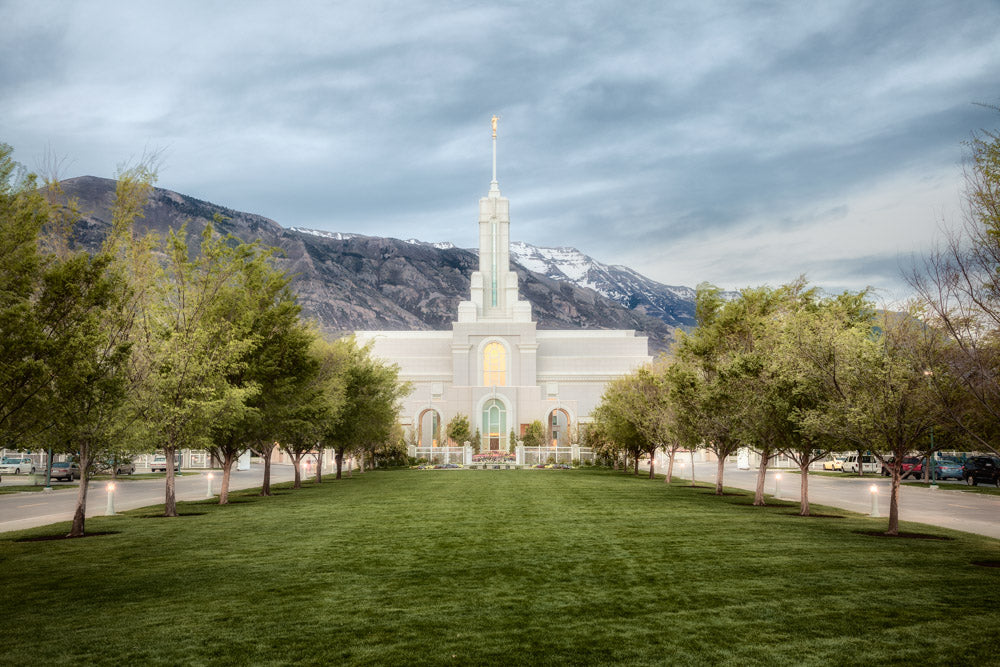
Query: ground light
x=110, y=511
x=874, y=491
x=777, y=485
x=208, y=490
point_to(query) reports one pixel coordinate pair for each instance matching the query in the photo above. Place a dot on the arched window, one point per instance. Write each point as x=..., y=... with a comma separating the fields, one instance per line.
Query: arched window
x=494, y=365
x=495, y=424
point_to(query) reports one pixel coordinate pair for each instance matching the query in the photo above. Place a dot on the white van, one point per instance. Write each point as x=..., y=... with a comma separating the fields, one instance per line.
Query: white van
x=868, y=463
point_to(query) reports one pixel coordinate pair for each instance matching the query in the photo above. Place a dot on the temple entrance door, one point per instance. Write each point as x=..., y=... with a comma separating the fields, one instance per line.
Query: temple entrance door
x=495, y=424
x=430, y=428
x=558, y=428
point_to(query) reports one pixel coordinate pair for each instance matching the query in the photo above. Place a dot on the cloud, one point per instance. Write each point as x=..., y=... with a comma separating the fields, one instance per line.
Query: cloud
x=732, y=139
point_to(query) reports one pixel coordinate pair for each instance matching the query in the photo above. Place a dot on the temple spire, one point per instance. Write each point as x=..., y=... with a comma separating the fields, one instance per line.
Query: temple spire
x=494, y=185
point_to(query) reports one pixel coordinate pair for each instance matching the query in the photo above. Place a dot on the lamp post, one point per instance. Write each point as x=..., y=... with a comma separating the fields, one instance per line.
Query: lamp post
x=874, y=491
x=208, y=486
x=110, y=511
x=777, y=486
x=930, y=458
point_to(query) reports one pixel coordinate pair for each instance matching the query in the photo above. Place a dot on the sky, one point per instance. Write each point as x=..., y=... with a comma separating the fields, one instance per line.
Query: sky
x=740, y=143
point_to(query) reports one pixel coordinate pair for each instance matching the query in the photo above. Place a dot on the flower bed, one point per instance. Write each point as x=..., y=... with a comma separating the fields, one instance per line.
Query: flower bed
x=494, y=457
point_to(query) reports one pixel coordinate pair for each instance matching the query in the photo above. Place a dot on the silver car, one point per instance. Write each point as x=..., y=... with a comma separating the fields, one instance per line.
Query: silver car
x=17, y=465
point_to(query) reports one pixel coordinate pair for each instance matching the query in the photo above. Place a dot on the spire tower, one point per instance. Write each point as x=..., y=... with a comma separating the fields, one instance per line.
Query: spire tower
x=494, y=286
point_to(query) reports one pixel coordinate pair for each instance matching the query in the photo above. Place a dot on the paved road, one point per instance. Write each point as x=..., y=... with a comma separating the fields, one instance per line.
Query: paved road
x=27, y=510
x=969, y=512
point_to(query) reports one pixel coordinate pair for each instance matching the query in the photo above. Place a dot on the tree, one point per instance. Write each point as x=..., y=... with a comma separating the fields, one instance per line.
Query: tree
x=458, y=430
x=189, y=344
x=371, y=391
x=274, y=365
x=959, y=286
x=477, y=441
x=65, y=320
x=713, y=352
x=534, y=435
x=807, y=373
x=882, y=399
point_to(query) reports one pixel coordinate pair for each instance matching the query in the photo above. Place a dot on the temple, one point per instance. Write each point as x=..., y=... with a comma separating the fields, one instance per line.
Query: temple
x=494, y=366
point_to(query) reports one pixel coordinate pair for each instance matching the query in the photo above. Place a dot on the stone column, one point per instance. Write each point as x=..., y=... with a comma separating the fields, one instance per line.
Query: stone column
x=468, y=453
x=519, y=453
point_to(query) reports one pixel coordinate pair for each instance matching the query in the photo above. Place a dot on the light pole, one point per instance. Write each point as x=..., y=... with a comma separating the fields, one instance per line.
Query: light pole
x=110, y=511
x=208, y=486
x=777, y=486
x=930, y=458
x=874, y=491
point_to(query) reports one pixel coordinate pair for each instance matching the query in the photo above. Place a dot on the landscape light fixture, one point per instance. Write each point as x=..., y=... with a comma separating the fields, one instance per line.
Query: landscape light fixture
x=208, y=489
x=874, y=491
x=110, y=511
x=777, y=486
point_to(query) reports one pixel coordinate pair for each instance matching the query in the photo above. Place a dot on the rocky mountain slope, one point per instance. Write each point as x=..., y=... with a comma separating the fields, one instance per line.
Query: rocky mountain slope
x=349, y=281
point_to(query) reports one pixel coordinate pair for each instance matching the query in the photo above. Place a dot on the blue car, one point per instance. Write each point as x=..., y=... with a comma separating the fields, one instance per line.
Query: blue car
x=946, y=469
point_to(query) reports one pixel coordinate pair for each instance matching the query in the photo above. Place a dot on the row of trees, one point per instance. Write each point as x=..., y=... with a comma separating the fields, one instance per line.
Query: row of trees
x=791, y=370
x=165, y=344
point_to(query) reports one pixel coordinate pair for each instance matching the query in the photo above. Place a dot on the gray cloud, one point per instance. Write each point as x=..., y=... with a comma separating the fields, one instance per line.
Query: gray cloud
x=701, y=132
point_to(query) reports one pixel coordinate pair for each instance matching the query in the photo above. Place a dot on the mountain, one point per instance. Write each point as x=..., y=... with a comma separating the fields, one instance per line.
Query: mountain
x=351, y=281
x=628, y=288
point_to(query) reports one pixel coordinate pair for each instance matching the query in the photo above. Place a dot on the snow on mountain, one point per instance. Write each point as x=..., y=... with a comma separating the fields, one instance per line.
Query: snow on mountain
x=440, y=245
x=672, y=304
x=337, y=236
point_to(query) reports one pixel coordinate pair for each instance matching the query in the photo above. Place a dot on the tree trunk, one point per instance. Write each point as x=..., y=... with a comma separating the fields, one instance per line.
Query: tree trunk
x=170, y=504
x=927, y=469
x=362, y=459
x=319, y=466
x=691, y=451
x=804, y=486
x=652, y=464
x=227, y=469
x=758, y=496
x=296, y=462
x=718, y=475
x=266, y=450
x=894, y=499
x=670, y=466
x=80, y=515
x=338, y=459
x=861, y=465
x=635, y=465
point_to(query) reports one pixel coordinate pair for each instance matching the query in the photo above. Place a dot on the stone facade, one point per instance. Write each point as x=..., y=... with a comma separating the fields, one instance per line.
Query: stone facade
x=494, y=366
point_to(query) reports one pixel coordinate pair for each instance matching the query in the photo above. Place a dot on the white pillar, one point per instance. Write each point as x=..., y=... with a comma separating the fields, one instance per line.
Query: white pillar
x=519, y=453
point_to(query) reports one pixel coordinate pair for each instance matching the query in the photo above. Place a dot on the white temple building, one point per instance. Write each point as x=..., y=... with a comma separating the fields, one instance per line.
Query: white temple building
x=494, y=366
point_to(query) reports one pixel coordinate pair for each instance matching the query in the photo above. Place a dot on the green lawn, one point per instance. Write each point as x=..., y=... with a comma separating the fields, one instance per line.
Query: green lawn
x=982, y=488
x=497, y=567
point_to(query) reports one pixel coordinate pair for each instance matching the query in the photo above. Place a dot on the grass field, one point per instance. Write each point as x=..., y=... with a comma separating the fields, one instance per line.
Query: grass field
x=508, y=567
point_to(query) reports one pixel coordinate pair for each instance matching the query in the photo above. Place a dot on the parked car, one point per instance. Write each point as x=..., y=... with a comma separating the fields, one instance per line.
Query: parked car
x=868, y=463
x=159, y=463
x=17, y=464
x=981, y=469
x=946, y=469
x=65, y=470
x=123, y=467
x=837, y=463
x=912, y=466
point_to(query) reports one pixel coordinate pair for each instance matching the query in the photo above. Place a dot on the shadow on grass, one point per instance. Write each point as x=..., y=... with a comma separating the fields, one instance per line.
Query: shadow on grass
x=816, y=516
x=986, y=563
x=905, y=536
x=50, y=538
x=164, y=516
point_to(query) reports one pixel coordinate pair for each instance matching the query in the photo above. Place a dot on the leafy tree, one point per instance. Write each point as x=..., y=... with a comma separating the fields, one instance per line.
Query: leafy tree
x=65, y=321
x=477, y=441
x=534, y=435
x=458, y=429
x=273, y=366
x=189, y=344
x=882, y=399
x=370, y=392
x=713, y=351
